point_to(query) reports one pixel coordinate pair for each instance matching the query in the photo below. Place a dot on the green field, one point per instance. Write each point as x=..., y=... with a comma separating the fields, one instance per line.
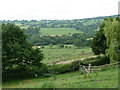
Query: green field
x=58, y=31
x=99, y=78
x=55, y=54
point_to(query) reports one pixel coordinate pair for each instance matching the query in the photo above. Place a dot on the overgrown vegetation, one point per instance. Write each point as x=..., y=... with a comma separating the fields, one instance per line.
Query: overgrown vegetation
x=107, y=39
x=104, y=77
x=17, y=54
x=22, y=60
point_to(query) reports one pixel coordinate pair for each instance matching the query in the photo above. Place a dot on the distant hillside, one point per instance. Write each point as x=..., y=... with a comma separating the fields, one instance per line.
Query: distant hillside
x=87, y=25
x=58, y=31
x=36, y=28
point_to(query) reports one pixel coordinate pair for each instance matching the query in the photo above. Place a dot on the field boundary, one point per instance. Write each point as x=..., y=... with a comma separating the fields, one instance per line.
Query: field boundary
x=69, y=61
x=90, y=68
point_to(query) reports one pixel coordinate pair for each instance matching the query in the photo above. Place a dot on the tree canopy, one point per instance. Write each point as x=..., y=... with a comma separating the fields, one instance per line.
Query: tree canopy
x=107, y=39
x=112, y=34
x=17, y=52
x=98, y=44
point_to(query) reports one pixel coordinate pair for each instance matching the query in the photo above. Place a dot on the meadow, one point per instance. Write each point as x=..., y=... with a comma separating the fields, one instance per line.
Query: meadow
x=58, y=31
x=56, y=53
x=106, y=77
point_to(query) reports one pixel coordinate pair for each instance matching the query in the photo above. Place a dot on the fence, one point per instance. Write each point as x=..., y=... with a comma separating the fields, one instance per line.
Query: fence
x=90, y=68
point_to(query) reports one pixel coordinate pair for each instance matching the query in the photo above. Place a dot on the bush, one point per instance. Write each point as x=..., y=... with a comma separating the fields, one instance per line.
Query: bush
x=28, y=72
x=74, y=66
x=42, y=46
x=100, y=60
x=59, y=69
x=66, y=46
x=37, y=71
x=61, y=45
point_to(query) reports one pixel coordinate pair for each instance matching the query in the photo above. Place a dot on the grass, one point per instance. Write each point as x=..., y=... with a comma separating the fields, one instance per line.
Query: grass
x=64, y=54
x=58, y=31
x=101, y=78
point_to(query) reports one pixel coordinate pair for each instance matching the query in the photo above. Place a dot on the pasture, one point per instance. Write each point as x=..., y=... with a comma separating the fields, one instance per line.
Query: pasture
x=58, y=31
x=56, y=54
x=100, y=78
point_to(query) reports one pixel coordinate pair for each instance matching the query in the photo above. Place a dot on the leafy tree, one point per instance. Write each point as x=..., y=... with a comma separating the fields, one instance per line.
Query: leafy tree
x=98, y=44
x=109, y=33
x=112, y=34
x=79, y=39
x=77, y=43
x=17, y=52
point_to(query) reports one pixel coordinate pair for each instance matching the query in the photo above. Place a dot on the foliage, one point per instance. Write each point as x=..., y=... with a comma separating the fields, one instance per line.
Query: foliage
x=99, y=60
x=61, y=45
x=98, y=43
x=112, y=35
x=33, y=33
x=99, y=78
x=107, y=39
x=70, y=67
x=18, y=54
x=77, y=43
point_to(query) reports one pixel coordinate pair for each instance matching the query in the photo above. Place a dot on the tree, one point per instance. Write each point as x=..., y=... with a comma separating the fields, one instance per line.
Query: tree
x=107, y=39
x=98, y=43
x=17, y=52
x=77, y=43
x=112, y=34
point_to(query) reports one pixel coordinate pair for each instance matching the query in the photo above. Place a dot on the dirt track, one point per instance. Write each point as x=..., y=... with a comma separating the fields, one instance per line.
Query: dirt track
x=63, y=62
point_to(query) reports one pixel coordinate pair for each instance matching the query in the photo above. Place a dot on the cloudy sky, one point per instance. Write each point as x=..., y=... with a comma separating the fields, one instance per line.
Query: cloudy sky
x=56, y=9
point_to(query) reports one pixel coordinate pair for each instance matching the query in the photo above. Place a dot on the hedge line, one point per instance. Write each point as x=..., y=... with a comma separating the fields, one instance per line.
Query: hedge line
x=63, y=68
x=48, y=71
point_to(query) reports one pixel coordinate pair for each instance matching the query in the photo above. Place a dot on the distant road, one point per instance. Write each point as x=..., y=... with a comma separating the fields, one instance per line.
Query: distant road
x=63, y=62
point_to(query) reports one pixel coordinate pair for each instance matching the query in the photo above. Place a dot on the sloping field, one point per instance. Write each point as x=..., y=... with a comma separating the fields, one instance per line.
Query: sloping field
x=101, y=78
x=58, y=31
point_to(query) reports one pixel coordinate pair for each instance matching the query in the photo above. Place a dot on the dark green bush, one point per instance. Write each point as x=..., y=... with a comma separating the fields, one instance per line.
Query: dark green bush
x=28, y=72
x=96, y=61
x=49, y=71
x=74, y=66
x=58, y=69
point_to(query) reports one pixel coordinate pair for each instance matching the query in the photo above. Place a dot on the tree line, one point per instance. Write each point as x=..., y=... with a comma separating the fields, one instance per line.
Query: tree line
x=107, y=39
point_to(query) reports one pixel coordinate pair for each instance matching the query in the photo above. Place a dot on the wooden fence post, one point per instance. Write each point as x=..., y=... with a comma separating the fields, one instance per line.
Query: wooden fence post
x=89, y=67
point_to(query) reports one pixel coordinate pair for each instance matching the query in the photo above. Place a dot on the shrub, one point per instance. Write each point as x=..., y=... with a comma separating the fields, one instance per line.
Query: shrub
x=28, y=72
x=61, y=45
x=96, y=61
x=42, y=46
x=74, y=66
x=66, y=46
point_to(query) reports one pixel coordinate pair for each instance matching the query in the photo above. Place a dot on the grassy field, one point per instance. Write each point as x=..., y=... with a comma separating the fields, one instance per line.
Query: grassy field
x=55, y=54
x=99, y=78
x=58, y=31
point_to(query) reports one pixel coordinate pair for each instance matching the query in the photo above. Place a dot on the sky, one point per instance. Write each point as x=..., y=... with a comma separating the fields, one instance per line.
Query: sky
x=56, y=9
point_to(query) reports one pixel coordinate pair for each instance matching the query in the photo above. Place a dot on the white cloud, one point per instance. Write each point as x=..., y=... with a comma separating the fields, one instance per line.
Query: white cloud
x=56, y=9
